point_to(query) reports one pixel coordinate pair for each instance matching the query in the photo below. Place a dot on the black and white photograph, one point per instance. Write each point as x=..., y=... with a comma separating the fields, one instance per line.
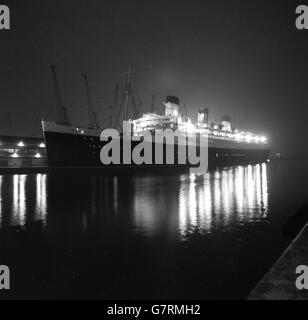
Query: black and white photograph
x=153, y=153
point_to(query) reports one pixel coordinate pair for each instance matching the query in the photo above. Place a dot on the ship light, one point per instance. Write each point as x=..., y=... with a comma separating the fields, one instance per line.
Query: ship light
x=15, y=155
x=82, y=131
x=248, y=138
x=20, y=144
x=42, y=145
x=189, y=126
x=263, y=139
x=38, y=155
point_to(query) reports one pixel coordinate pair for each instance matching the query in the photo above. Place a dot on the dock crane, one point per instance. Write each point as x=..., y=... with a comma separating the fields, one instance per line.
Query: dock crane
x=93, y=121
x=62, y=116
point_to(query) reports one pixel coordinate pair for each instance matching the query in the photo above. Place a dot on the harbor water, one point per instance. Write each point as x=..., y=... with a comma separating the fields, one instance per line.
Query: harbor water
x=145, y=236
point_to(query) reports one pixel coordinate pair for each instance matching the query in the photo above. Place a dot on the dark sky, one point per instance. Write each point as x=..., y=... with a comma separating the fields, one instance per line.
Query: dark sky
x=222, y=54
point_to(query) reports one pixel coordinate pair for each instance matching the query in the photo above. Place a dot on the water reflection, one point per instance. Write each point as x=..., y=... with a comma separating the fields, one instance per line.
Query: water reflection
x=176, y=206
x=23, y=199
x=147, y=226
x=223, y=198
x=19, y=198
x=41, y=197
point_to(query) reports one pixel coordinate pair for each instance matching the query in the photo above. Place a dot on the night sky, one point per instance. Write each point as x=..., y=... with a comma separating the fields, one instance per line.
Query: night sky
x=226, y=55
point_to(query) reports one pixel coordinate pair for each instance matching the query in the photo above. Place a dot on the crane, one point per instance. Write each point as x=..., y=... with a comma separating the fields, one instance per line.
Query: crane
x=93, y=122
x=62, y=116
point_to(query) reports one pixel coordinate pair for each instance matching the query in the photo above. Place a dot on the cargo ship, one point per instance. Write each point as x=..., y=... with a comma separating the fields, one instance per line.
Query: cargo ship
x=72, y=146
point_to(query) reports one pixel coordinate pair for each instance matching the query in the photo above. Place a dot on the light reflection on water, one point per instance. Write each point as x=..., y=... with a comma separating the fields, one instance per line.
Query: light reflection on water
x=19, y=198
x=223, y=198
x=41, y=197
x=149, y=205
x=148, y=236
x=220, y=199
x=23, y=199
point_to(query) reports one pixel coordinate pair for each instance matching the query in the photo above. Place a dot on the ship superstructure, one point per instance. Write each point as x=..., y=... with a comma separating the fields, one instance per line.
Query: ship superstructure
x=175, y=120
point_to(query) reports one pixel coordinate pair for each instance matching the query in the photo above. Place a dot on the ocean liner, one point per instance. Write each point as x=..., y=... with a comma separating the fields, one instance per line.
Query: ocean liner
x=71, y=146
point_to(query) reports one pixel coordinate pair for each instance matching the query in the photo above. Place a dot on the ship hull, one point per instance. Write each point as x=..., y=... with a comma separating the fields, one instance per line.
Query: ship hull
x=83, y=151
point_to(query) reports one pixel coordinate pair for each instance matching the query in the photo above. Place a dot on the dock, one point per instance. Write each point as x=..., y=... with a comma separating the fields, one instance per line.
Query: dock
x=280, y=282
x=22, y=155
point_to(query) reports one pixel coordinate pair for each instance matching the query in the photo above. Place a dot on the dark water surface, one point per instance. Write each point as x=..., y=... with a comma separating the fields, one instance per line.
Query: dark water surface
x=147, y=236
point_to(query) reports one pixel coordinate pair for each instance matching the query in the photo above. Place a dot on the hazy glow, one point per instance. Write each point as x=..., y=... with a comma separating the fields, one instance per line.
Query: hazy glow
x=146, y=207
x=190, y=128
x=20, y=144
x=150, y=122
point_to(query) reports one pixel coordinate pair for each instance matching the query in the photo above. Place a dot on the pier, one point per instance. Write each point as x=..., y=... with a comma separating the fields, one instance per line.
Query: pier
x=22, y=154
x=280, y=282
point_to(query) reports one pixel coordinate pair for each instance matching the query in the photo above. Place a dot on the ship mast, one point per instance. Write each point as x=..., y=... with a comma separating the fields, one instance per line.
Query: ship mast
x=185, y=110
x=93, y=122
x=153, y=103
x=129, y=95
x=62, y=116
